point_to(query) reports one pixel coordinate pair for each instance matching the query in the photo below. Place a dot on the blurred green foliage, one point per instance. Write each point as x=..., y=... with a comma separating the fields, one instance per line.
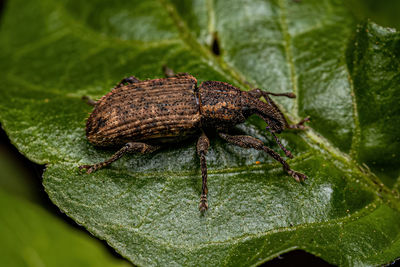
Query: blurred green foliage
x=383, y=12
x=30, y=234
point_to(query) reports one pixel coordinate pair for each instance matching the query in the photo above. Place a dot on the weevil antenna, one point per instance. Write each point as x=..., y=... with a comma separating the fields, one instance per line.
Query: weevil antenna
x=287, y=152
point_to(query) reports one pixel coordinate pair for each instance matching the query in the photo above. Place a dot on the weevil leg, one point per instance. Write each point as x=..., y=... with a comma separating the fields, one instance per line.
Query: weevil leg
x=169, y=73
x=287, y=152
x=300, y=125
x=251, y=142
x=88, y=100
x=202, y=147
x=258, y=93
x=128, y=80
x=128, y=148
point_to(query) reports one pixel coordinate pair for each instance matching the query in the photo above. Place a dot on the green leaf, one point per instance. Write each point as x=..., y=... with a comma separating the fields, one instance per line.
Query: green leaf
x=30, y=235
x=346, y=79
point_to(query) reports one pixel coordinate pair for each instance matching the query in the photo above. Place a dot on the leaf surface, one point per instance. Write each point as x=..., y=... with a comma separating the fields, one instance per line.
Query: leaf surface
x=346, y=78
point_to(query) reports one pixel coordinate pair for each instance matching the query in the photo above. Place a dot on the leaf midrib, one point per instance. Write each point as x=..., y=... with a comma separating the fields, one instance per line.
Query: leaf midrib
x=289, y=56
x=311, y=137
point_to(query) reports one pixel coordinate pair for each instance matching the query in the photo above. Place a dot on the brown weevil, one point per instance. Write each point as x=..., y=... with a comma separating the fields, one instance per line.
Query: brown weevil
x=141, y=116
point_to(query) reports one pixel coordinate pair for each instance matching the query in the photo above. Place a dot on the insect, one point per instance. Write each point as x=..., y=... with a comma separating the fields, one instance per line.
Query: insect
x=142, y=116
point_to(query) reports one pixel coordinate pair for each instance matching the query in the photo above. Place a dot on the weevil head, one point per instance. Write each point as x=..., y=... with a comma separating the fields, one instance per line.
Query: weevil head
x=223, y=105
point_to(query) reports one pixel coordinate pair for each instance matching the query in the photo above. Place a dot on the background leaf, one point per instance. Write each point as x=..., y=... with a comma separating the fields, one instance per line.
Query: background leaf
x=382, y=12
x=146, y=206
x=31, y=235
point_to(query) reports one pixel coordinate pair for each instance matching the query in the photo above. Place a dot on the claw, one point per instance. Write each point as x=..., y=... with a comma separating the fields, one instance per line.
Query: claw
x=299, y=177
x=300, y=125
x=203, y=207
x=203, y=204
x=89, y=168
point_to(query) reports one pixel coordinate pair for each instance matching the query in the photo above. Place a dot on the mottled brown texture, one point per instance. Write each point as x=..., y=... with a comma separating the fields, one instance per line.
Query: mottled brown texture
x=156, y=110
x=141, y=115
x=220, y=105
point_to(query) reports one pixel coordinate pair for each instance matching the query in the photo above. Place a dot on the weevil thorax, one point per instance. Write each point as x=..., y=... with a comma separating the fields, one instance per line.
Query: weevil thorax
x=268, y=111
x=220, y=105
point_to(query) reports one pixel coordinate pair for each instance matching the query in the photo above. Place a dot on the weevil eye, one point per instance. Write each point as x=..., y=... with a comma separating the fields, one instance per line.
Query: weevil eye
x=273, y=127
x=257, y=93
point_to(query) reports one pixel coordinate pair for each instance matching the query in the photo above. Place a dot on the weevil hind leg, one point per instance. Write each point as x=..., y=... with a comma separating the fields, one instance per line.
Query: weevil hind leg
x=127, y=148
x=89, y=100
x=128, y=80
x=202, y=147
x=125, y=81
x=246, y=141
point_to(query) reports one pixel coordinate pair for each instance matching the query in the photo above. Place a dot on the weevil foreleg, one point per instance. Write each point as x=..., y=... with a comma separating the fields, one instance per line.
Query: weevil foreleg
x=251, y=142
x=287, y=152
x=299, y=125
x=128, y=148
x=202, y=147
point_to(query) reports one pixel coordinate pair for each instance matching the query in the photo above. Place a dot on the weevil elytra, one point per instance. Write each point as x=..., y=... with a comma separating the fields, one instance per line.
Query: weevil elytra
x=141, y=116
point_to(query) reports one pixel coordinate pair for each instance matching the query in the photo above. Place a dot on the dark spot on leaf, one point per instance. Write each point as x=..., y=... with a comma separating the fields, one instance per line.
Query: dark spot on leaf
x=215, y=47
